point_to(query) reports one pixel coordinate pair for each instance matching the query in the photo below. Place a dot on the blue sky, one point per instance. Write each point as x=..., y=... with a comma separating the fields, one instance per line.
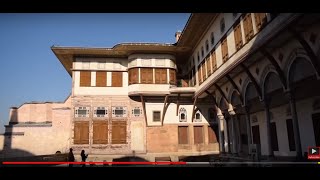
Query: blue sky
x=31, y=72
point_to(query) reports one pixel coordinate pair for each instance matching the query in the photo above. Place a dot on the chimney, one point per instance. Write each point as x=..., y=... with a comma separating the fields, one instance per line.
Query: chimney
x=177, y=35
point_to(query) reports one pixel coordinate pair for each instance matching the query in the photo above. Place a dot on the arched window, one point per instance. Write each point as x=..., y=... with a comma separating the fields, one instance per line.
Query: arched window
x=212, y=39
x=222, y=25
x=207, y=46
x=197, y=117
x=182, y=115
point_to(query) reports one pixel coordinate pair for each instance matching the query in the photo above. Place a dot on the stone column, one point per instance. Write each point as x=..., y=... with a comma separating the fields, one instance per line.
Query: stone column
x=266, y=102
x=248, y=125
x=234, y=139
x=221, y=133
x=297, y=140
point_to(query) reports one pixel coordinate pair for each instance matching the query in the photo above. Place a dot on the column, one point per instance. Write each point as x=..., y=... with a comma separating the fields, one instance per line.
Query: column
x=221, y=133
x=234, y=140
x=248, y=125
x=266, y=102
x=296, y=132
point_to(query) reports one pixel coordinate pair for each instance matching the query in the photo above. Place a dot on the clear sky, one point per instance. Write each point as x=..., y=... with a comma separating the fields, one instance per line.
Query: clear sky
x=29, y=70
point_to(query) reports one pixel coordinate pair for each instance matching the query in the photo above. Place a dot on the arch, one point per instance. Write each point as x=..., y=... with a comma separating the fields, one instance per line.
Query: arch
x=223, y=105
x=298, y=63
x=250, y=92
x=271, y=82
x=244, y=87
x=269, y=69
x=234, y=98
x=197, y=117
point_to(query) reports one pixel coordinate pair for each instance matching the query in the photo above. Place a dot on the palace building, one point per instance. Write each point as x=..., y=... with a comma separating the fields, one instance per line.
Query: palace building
x=230, y=83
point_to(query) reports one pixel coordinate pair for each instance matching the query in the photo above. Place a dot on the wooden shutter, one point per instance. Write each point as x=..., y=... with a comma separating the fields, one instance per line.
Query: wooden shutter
x=183, y=135
x=203, y=70
x=85, y=78
x=164, y=79
x=248, y=27
x=157, y=76
x=116, y=79
x=81, y=132
x=119, y=132
x=213, y=61
x=238, y=36
x=224, y=49
x=274, y=137
x=199, y=74
x=172, y=74
x=212, y=134
x=133, y=76
x=209, y=64
x=101, y=78
x=261, y=20
x=198, y=134
x=100, y=132
x=292, y=144
x=143, y=75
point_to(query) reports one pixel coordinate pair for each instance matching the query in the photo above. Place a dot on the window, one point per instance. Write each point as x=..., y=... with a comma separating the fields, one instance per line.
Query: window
x=119, y=132
x=222, y=25
x=197, y=116
x=202, y=52
x=85, y=65
x=82, y=111
x=261, y=20
x=81, y=132
x=224, y=49
x=116, y=79
x=156, y=116
x=207, y=46
x=238, y=36
x=212, y=39
x=100, y=112
x=172, y=76
x=133, y=76
x=248, y=27
x=101, y=79
x=160, y=76
x=100, y=132
x=208, y=63
x=182, y=115
x=85, y=78
x=198, y=57
x=136, y=111
x=213, y=61
x=146, y=75
x=198, y=134
x=183, y=135
x=118, y=111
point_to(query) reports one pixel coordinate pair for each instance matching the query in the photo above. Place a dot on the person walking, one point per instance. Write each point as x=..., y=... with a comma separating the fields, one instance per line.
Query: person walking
x=70, y=157
x=83, y=157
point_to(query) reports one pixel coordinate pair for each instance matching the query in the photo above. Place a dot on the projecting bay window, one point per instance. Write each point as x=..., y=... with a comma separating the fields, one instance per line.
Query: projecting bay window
x=133, y=76
x=100, y=112
x=81, y=112
x=119, y=111
x=85, y=78
x=248, y=27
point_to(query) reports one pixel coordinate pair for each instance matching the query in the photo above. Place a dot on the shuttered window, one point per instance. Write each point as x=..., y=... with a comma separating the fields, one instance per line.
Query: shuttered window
x=100, y=132
x=116, y=79
x=85, y=78
x=247, y=26
x=119, y=132
x=208, y=63
x=238, y=36
x=183, y=135
x=224, y=49
x=198, y=134
x=133, y=76
x=161, y=76
x=212, y=137
x=172, y=76
x=199, y=74
x=81, y=132
x=203, y=70
x=101, y=78
x=261, y=20
x=213, y=61
x=146, y=75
